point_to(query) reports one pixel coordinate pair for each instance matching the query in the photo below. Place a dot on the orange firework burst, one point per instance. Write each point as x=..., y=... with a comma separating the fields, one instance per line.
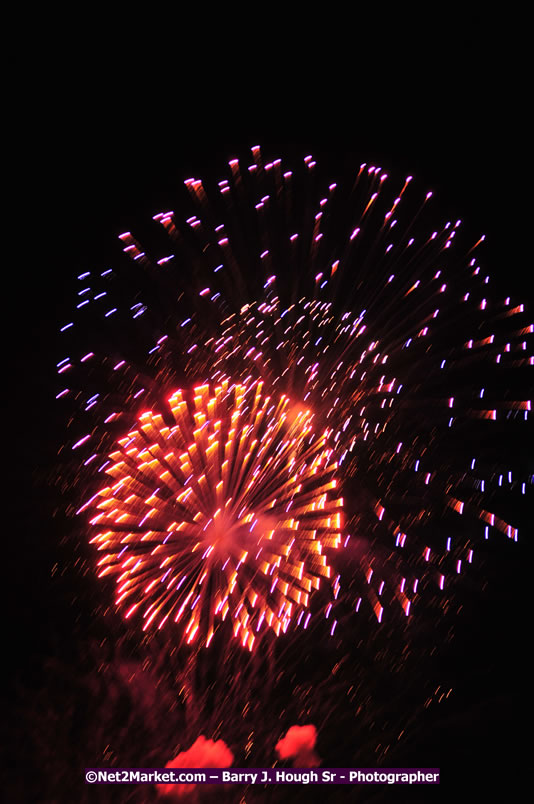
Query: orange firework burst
x=221, y=506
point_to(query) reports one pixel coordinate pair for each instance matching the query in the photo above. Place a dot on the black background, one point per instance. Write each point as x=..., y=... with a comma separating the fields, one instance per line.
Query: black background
x=89, y=168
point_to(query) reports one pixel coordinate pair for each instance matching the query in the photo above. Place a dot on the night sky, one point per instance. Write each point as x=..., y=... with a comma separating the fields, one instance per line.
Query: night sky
x=91, y=177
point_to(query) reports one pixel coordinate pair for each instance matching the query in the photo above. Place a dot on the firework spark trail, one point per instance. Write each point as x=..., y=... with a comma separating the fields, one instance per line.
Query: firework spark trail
x=227, y=511
x=354, y=303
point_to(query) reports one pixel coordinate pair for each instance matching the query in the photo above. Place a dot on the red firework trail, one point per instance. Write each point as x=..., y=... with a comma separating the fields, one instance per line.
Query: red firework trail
x=227, y=511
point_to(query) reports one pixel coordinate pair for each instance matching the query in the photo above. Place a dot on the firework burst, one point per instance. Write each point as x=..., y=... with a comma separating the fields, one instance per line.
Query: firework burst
x=226, y=510
x=351, y=300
